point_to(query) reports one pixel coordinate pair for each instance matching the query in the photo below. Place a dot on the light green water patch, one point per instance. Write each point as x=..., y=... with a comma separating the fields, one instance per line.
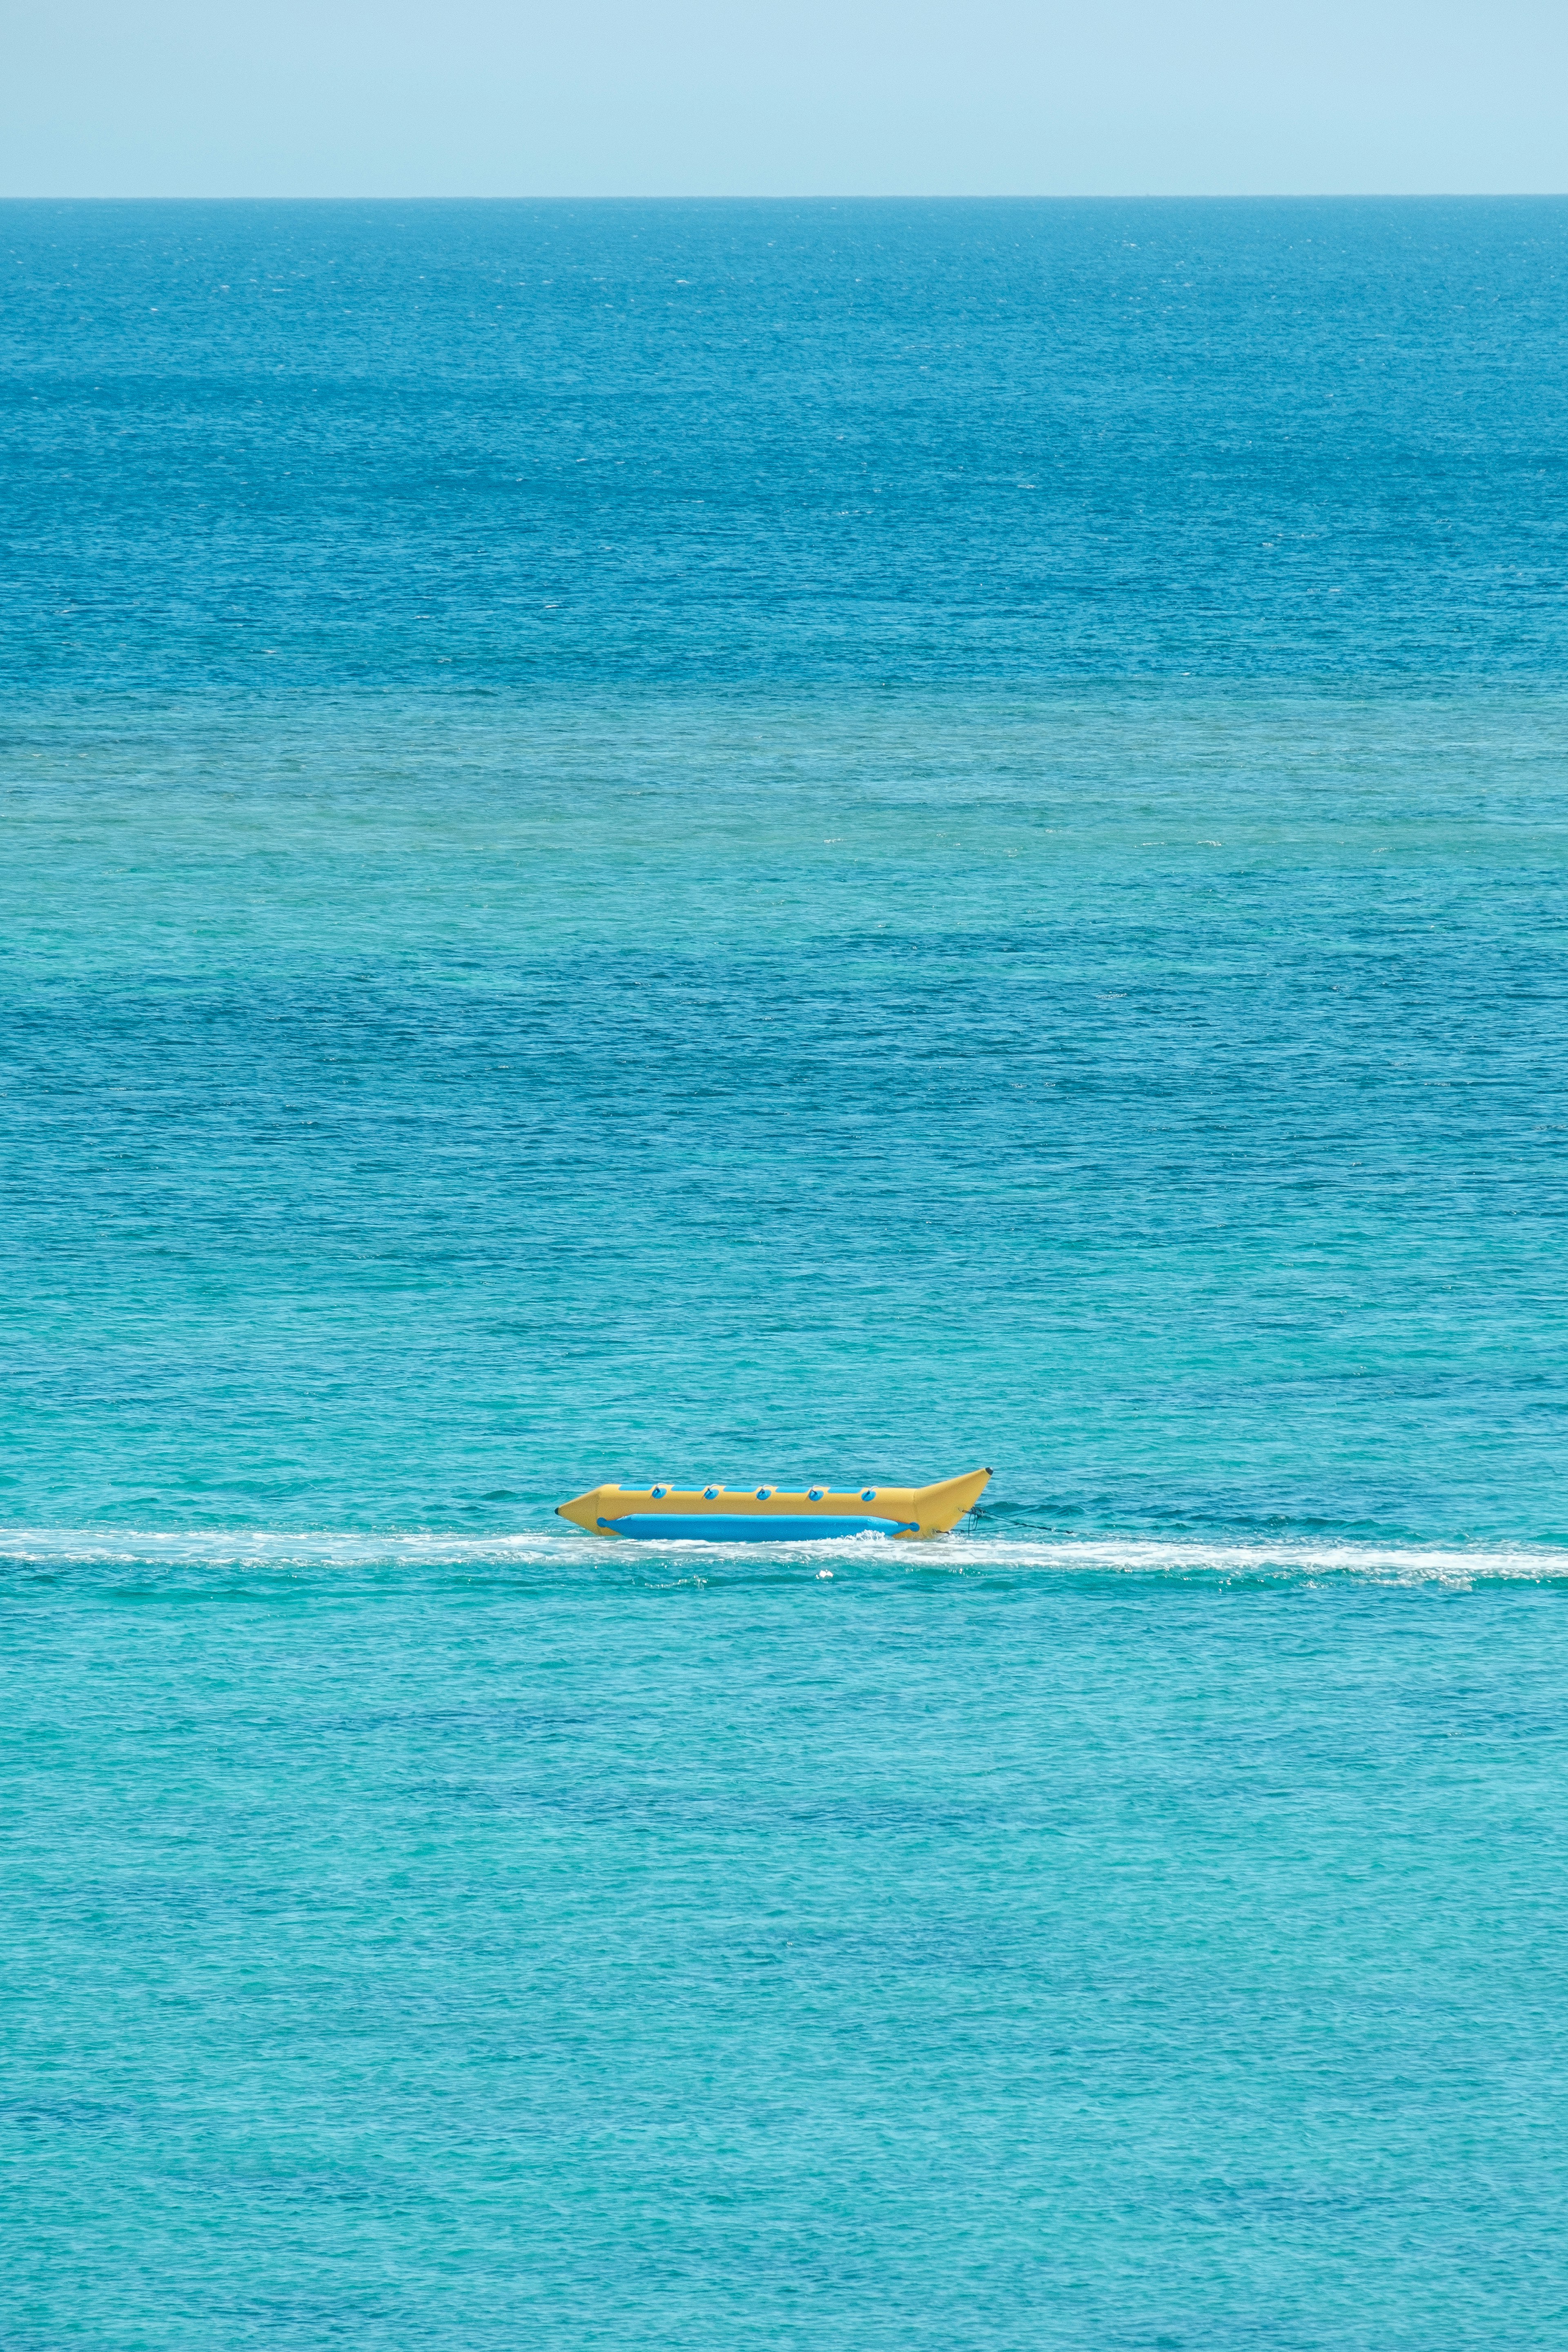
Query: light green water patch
x=181, y=843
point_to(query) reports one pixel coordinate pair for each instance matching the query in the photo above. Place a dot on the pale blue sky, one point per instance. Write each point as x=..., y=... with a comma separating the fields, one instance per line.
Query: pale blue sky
x=786, y=97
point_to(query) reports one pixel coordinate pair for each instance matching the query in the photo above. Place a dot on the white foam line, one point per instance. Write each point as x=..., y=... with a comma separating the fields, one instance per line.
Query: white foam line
x=269, y=1547
x=264, y=1547
x=1125, y=1555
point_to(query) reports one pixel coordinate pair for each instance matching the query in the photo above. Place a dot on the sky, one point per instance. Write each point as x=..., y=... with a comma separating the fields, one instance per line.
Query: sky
x=786, y=97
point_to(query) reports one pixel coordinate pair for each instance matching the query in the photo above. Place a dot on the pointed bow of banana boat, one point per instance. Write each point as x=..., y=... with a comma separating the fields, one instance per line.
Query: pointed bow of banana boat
x=774, y=1514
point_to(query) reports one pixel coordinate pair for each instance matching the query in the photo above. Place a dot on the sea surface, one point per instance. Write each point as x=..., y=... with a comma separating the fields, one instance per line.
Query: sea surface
x=775, y=842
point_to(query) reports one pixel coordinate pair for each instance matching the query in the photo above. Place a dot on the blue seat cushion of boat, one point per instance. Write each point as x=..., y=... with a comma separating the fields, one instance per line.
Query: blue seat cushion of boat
x=716, y=1526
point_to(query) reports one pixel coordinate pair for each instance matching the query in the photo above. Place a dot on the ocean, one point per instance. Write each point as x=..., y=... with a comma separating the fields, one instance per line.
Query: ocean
x=775, y=842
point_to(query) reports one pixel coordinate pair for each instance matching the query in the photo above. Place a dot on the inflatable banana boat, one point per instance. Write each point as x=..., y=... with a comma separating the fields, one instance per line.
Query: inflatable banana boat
x=769, y=1515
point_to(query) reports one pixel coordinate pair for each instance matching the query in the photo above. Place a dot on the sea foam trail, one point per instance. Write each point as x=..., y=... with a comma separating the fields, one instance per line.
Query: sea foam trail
x=299, y=1551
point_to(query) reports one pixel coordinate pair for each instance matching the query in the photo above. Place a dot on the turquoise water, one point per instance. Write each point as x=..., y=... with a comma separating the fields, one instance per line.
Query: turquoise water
x=775, y=843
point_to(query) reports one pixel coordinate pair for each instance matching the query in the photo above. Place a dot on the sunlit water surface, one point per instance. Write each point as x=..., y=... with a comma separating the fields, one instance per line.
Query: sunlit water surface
x=776, y=842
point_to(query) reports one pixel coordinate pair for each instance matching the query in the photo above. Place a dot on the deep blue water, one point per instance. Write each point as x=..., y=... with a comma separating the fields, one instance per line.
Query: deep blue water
x=768, y=841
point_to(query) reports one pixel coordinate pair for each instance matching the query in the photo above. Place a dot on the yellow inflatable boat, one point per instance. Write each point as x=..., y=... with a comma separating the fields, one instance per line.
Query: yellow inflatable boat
x=770, y=1515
